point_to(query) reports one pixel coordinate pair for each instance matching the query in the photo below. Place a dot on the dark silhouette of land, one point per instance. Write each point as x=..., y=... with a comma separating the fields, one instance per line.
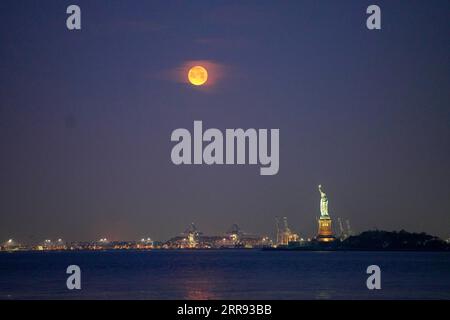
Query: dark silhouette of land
x=401, y=240
x=377, y=240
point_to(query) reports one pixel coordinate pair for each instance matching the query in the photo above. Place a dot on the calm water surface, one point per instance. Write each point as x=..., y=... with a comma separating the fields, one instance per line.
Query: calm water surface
x=224, y=274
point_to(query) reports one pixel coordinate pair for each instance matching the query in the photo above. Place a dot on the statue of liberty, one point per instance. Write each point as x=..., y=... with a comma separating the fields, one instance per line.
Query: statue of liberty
x=323, y=203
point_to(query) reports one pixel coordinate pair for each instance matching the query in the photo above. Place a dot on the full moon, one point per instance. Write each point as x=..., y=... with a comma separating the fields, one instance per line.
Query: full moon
x=198, y=75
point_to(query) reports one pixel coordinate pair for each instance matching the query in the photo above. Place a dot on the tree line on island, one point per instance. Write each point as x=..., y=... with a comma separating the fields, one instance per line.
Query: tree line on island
x=395, y=240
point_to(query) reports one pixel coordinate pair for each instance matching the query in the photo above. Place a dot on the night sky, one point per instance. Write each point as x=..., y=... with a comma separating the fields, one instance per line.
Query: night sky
x=86, y=116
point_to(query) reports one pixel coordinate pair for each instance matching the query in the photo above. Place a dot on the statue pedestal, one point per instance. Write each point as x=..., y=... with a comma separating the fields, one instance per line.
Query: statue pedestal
x=325, y=232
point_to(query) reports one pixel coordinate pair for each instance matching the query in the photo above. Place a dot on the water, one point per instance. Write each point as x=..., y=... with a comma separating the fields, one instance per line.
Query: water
x=224, y=274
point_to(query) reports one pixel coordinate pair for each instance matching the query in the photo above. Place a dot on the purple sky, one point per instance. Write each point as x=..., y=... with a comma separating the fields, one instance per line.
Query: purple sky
x=86, y=116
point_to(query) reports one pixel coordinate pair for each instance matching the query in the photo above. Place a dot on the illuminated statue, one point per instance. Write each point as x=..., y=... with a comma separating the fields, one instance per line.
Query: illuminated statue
x=323, y=203
x=325, y=232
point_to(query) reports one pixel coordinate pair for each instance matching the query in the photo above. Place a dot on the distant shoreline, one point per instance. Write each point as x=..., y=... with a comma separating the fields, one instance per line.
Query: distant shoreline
x=283, y=249
x=375, y=240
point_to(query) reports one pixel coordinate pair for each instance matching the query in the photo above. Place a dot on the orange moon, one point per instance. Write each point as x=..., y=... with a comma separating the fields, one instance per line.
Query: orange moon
x=198, y=75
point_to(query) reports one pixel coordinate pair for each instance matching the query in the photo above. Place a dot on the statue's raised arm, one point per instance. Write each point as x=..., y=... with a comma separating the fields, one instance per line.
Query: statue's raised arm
x=322, y=194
